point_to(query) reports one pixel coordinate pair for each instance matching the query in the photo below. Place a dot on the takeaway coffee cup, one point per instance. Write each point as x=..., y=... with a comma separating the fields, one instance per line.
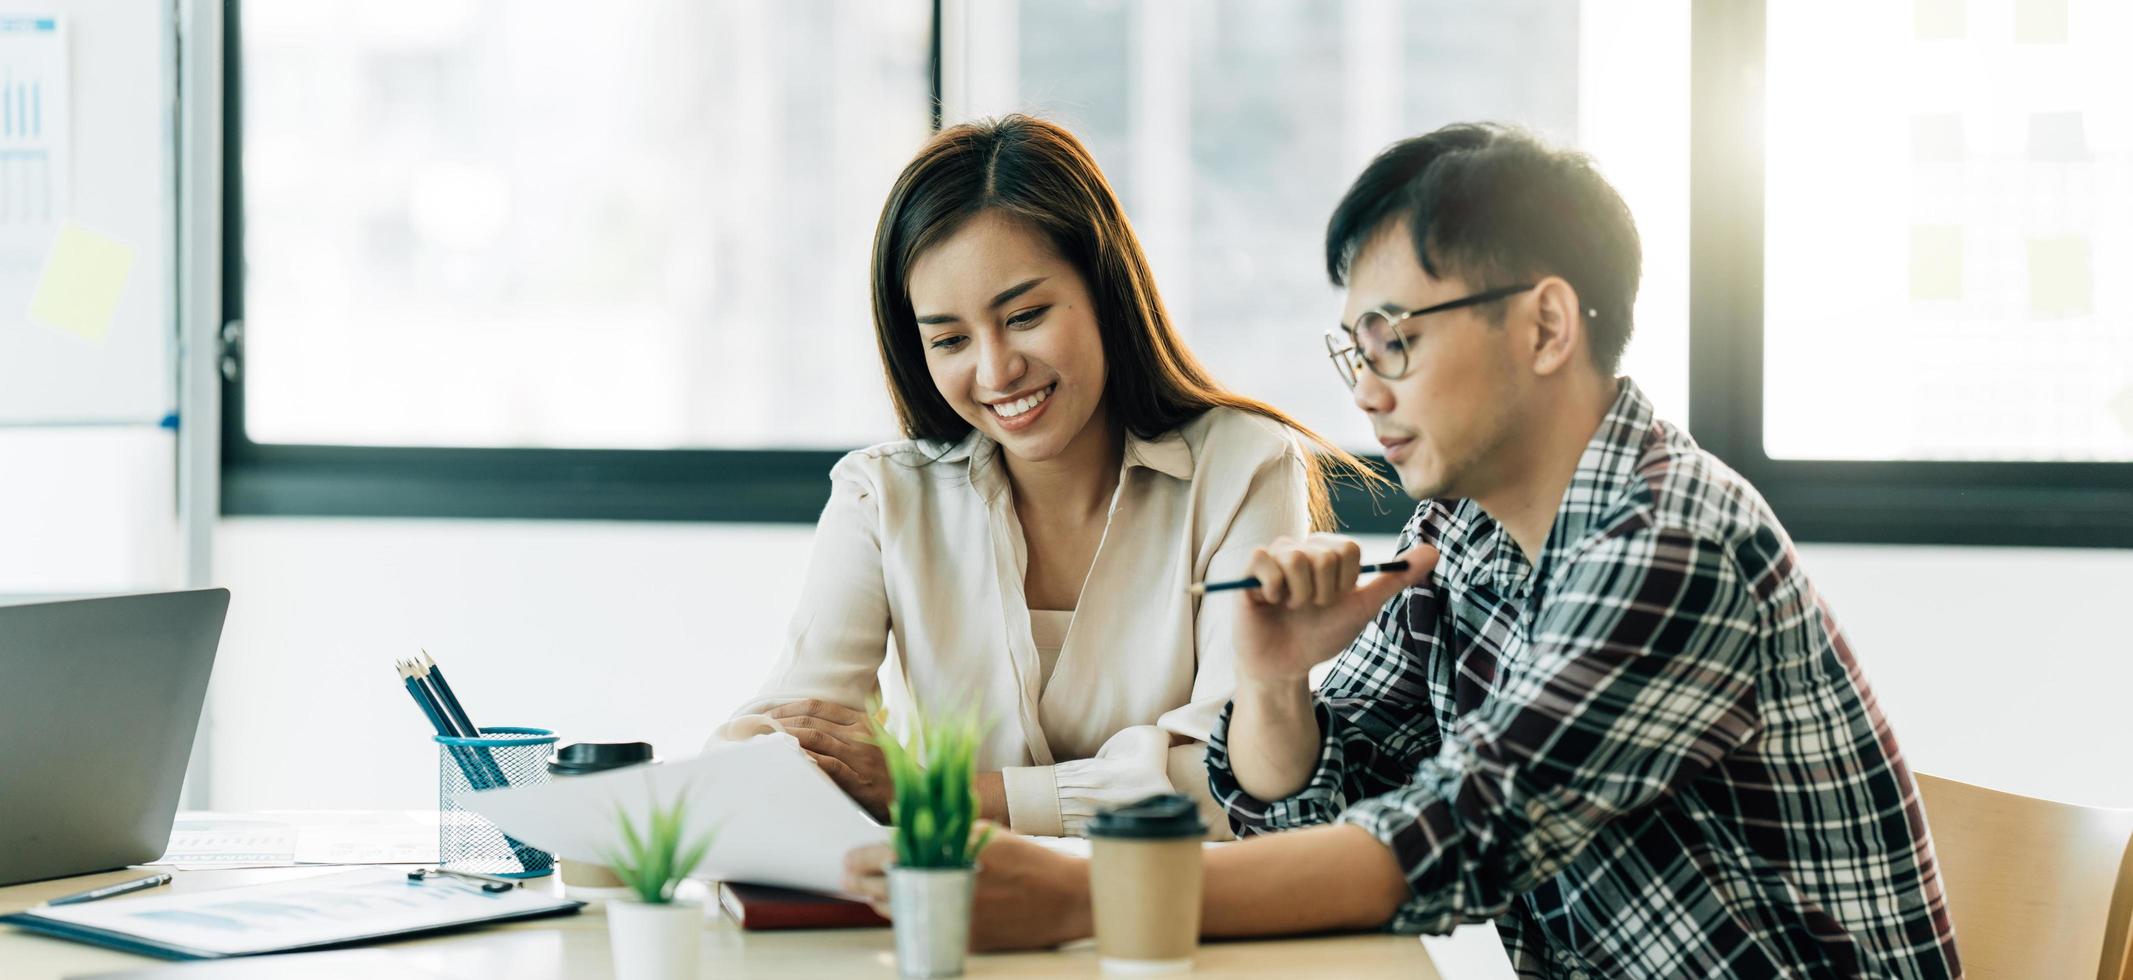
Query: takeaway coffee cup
x=1144, y=876
x=582, y=878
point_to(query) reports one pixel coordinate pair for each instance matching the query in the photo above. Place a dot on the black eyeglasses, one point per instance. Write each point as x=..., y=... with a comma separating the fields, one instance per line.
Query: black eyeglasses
x=1375, y=341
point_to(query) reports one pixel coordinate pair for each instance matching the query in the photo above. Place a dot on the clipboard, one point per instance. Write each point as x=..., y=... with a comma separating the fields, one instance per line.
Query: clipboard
x=327, y=912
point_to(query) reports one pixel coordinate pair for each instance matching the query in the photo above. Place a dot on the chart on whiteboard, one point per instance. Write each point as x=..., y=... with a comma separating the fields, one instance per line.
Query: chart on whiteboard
x=34, y=139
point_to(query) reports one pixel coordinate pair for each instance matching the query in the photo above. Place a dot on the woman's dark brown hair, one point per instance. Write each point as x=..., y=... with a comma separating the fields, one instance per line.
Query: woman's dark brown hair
x=1037, y=172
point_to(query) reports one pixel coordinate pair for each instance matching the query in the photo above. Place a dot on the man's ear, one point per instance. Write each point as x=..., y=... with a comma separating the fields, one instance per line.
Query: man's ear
x=1558, y=331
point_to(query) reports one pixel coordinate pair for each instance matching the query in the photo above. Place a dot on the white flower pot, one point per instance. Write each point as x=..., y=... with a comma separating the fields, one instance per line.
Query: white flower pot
x=654, y=942
x=930, y=910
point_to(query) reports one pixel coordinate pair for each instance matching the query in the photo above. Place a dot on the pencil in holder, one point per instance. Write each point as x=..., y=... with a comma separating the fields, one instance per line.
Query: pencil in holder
x=500, y=757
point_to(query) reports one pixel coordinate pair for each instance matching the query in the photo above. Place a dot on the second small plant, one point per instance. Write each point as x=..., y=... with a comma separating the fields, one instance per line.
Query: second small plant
x=654, y=859
x=935, y=777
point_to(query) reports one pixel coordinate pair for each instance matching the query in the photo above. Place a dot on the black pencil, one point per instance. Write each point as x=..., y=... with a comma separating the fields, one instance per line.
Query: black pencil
x=415, y=690
x=1202, y=588
x=449, y=700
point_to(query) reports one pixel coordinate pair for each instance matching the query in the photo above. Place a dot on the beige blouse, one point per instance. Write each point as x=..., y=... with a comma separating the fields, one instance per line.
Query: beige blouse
x=918, y=564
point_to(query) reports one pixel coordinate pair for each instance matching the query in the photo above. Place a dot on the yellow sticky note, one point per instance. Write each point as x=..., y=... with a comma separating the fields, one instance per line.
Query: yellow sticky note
x=1939, y=20
x=2059, y=282
x=83, y=277
x=1936, y=262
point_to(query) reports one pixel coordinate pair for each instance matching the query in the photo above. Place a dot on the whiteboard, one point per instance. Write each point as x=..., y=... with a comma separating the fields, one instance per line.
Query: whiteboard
x=119, y=184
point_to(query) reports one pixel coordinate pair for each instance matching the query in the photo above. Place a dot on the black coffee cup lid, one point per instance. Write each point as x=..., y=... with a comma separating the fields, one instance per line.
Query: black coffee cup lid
x=1157, y=817
x=580, y=758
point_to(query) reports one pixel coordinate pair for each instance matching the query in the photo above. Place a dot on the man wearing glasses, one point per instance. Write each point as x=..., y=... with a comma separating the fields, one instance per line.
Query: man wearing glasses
x=1603, y=706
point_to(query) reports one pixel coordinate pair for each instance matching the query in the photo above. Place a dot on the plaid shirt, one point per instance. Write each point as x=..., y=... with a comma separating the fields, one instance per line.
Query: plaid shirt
x=1653, y=756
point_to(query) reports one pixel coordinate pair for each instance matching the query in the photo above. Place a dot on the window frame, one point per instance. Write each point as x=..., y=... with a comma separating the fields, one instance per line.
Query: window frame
x=1867, y=502
x=2053, y=504
x=782, y=486
x=286, y=479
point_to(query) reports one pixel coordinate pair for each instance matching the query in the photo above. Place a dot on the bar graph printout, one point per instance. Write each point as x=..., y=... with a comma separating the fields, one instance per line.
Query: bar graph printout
x=34, y=136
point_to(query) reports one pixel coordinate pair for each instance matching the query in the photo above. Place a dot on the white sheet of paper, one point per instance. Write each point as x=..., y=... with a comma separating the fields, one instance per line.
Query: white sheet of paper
x=205, y=839
x=1471, y=952
x=777, y=820
x=389, y=837
x=285, y=914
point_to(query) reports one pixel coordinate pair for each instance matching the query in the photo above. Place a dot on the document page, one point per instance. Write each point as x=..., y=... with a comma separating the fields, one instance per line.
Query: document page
x=775, y=818
x=306, y=912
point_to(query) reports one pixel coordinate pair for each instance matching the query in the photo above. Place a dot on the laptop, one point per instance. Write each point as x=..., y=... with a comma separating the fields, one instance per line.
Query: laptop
x=99, y=702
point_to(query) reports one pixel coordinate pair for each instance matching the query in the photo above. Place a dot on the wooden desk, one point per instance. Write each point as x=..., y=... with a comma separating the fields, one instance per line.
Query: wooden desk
x=575, y=947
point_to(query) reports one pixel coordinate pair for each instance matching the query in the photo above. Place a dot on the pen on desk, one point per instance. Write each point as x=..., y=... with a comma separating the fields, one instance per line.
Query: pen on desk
x=122, y=888
x=492, y=884
x=1202, y=588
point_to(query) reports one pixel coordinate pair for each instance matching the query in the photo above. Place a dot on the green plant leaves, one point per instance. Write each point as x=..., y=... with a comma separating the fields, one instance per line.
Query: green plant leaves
x=653, y=859
x=935, y=777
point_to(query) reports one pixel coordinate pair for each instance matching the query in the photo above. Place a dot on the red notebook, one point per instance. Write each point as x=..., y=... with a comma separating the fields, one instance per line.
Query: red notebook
x=768, y=907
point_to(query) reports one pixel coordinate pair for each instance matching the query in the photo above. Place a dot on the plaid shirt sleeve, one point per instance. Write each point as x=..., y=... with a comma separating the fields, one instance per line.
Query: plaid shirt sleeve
x=1638, y=677
x=1374, y=708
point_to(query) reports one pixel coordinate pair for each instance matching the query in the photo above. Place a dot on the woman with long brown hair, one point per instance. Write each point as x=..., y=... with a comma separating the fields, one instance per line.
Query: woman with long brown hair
x=1070, y=471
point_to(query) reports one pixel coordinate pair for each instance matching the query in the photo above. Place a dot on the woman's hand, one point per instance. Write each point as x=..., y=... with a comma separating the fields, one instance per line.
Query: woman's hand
x=842, y=743
x=1028, y=896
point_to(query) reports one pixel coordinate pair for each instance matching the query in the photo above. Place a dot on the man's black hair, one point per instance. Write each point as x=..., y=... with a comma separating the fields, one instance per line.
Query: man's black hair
x=1495, y=206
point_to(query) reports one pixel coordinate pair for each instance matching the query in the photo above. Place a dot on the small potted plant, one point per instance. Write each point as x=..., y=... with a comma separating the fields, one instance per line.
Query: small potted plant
x=654, y=937
x=935, y=812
